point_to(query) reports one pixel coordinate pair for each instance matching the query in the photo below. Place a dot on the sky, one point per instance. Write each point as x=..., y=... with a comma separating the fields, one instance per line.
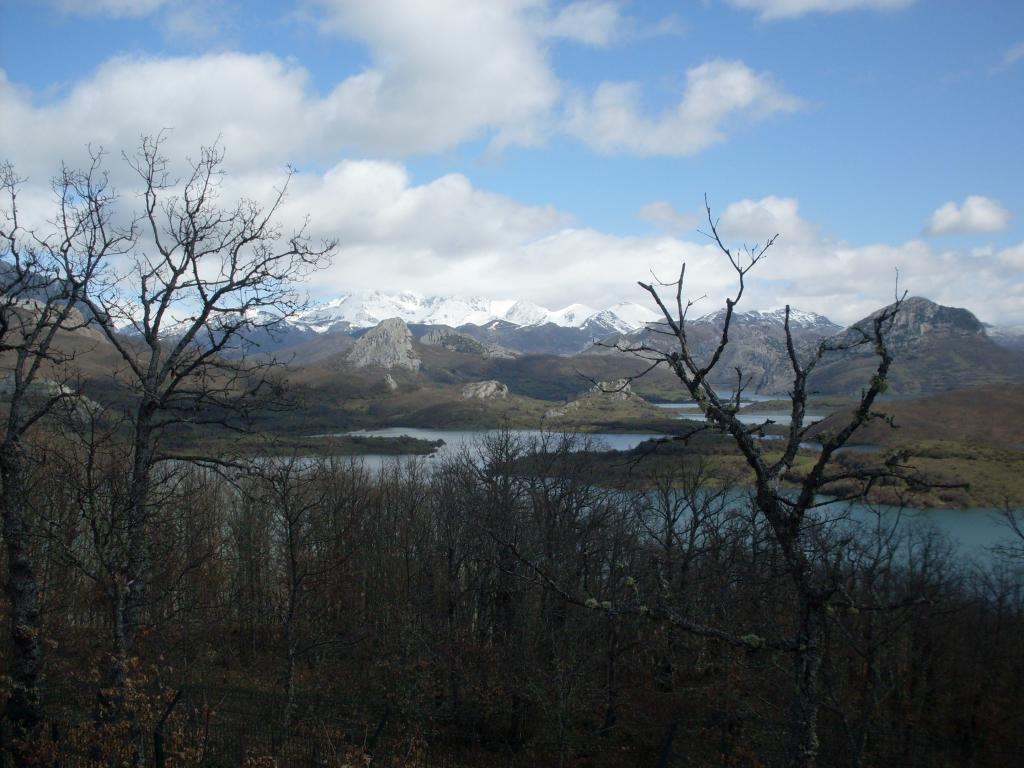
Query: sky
x=559, y=152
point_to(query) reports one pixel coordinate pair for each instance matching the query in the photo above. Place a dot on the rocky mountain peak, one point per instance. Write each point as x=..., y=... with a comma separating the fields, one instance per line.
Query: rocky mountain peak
x=799, y=320
x=921, y=320
x=387, y=345
x=457, y=341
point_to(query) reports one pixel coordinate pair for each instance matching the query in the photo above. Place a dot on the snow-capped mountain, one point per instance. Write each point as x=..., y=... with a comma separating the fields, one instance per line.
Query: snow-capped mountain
x=1009, y=336
x=365, y=310
x=573, y=316
x=798, y=319
x=623, y=317
x=524, y=313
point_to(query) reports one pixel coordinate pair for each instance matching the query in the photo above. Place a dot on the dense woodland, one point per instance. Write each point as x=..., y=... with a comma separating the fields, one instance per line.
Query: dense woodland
x=536, y=619
x=506, y=606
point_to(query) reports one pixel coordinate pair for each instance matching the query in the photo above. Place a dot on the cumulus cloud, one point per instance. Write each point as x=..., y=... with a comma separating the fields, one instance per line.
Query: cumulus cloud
x=448, y=236
x=717, y=92
x=1012, y=257
x=441, y=73
x=976, y=214
x=437, y=75
x=847, y=281
x=769, y=10
x=664, y=214
x=756, y=221
x=255, y=103
x=593, y=22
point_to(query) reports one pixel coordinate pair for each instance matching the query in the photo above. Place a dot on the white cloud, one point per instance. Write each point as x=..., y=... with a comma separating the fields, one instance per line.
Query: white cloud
x=441, y=73
x=755, y=221
x=664, y=213
x=1013, y=54
x=770, y=10
x=448, y=236
x=259, y=105
x=180, y=20
x=1012, y=257
x=846, y=281
x=594, y=22
x=975, y=214
x=716, y=93
x=437, y=75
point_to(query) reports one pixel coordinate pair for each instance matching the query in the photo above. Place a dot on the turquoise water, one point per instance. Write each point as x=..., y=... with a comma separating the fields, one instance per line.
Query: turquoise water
x=749, y=414
x=457, y=439
x=973, y=531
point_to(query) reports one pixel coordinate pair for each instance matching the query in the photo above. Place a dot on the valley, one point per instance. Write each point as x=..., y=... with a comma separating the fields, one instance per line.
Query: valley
x=953, y=394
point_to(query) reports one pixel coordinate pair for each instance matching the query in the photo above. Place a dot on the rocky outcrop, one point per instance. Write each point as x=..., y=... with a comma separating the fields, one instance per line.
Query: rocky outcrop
x=618, y=390
x=457, y=341
x=388, y=345
x=485, y=390
x=935, y=348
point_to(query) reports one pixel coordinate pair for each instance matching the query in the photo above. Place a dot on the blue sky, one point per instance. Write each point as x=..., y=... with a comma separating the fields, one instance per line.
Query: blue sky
x=558, y=151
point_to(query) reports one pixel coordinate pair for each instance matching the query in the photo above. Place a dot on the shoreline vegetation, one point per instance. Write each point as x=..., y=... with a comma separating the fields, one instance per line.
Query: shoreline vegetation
x=973, y=473
x=979, y=476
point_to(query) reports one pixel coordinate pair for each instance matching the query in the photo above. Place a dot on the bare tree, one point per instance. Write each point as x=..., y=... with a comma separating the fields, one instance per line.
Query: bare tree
x=789, y=513
x=205, y=277
x=45, y=276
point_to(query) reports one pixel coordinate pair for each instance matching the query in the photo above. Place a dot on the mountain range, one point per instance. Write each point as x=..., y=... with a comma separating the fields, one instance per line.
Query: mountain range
x=513, y=324
x=936, y=347
x=367, y=309
x=411, y=368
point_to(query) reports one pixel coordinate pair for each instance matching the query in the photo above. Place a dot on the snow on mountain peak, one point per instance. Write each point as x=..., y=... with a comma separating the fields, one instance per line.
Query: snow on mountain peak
x=634, y=315
x=526, y=313
x=797, y=318
x=572, y=316
x=367, y=309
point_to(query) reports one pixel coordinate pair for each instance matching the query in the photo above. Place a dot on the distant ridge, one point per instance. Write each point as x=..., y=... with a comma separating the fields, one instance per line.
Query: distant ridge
x=365, y=310
x=936, y=348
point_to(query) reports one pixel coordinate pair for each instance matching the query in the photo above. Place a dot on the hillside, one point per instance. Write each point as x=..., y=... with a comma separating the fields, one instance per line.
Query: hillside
x=988, y=414
x=757, y=345
x=936, y=348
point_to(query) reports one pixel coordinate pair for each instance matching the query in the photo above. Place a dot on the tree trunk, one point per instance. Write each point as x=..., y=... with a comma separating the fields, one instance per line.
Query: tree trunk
x=138, y=557
x=806, y=699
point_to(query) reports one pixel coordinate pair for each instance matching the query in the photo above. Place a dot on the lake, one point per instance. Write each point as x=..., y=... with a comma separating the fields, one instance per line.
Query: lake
x=975, y=531
x=749, y=413
x=457, y=439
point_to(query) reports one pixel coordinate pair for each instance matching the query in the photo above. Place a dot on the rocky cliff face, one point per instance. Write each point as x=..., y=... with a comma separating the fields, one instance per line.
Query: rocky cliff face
x=485, y=390
x=388, y=345
x=757, y=345
x=922, y=322
x=457, y=341
x=935, y=348
x=604, y=393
